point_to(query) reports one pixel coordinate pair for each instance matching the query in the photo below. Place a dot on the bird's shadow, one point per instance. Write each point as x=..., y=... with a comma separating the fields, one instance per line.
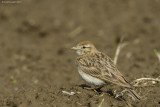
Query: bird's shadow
x=84, y=86
x=110, y=92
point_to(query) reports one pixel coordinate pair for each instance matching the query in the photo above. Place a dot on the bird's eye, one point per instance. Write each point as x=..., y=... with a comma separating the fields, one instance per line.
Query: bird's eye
x=83, y=47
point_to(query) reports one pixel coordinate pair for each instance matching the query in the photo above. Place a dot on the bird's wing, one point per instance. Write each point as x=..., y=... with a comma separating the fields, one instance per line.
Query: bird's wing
x=103, y=68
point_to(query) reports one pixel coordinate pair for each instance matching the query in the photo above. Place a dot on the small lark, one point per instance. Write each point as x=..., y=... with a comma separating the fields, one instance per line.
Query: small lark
x=97, y=68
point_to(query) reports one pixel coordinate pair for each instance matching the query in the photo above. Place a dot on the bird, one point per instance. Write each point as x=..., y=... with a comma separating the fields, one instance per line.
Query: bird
x=99, y=69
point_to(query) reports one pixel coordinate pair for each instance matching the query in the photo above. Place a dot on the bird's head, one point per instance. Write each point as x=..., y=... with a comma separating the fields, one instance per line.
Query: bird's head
x=85, y=47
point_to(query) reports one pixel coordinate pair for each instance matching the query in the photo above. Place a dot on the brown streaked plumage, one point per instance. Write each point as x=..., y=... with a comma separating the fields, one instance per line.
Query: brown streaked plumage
x=97, y=68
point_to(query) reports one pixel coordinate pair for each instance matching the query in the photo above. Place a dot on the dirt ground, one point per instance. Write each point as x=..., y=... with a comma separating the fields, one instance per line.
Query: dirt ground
x=37, y=64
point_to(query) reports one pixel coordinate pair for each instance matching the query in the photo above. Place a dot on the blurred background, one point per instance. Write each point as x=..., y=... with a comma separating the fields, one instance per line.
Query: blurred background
x=36, y=62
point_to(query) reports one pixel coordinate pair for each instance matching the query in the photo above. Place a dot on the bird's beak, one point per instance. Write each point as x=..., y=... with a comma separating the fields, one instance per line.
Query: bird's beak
x=74, y=48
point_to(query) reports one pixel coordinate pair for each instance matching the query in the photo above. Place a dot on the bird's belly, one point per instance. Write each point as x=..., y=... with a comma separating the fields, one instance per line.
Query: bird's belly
x=90, y=79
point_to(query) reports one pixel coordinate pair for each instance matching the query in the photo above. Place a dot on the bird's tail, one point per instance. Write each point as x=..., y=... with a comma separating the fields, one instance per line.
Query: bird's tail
x=134, y=94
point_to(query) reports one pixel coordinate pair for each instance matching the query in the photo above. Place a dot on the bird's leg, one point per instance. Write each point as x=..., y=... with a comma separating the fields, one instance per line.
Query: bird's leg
x=95, y=88
x=98, y=88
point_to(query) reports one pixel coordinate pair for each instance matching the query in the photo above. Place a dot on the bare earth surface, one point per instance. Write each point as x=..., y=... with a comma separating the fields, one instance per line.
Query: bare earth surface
x=36, y=63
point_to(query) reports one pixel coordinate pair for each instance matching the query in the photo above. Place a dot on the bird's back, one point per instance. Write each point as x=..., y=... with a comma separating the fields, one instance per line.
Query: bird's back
x=101, y=66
